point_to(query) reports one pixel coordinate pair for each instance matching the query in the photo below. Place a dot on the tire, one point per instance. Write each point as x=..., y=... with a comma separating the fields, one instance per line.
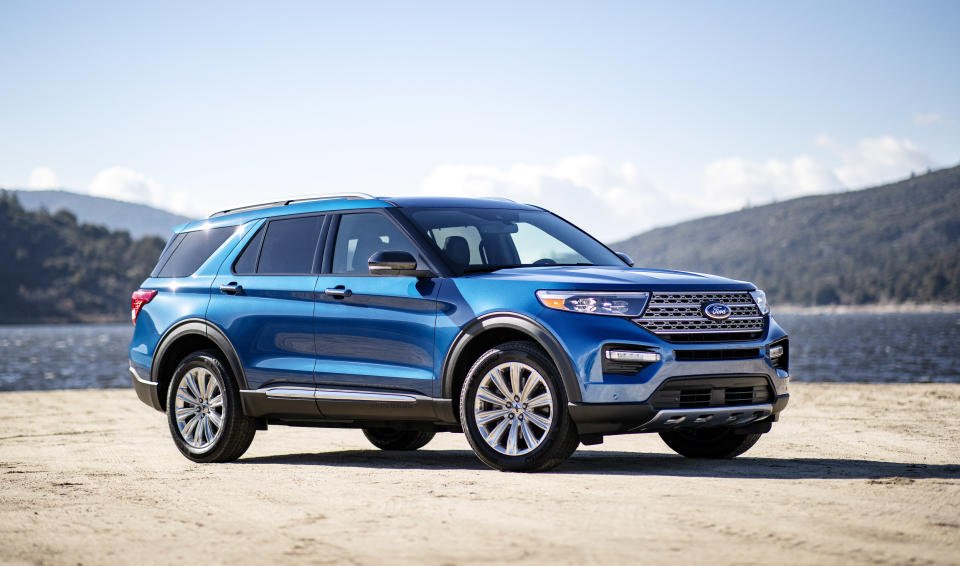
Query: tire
x=394, y=439
x=709, y=443
x=195, y=432
x=533, y=431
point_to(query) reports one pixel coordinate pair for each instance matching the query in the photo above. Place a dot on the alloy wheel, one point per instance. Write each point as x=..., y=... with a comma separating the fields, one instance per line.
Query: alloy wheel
x=199, y=408
x=513, y=408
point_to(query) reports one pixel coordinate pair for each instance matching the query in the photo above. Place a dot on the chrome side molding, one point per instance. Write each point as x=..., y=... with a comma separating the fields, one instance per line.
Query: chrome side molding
x=333, y=394
x=340, y=395
x=287, y=392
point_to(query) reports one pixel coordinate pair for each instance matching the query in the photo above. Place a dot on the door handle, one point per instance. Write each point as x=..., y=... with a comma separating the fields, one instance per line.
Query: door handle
x=338, y=292
x=231, y=288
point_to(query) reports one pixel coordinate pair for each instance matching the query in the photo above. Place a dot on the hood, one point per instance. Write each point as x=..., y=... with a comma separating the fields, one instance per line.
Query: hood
x=602, y=277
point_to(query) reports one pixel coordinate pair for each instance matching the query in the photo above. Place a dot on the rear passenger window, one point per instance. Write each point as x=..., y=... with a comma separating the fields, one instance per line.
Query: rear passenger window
x=247, y=262
x=290, y=246
x=189, y=250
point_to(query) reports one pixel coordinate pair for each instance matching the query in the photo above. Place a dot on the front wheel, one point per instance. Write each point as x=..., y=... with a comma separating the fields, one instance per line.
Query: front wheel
x=709, y=442
x=513, y=410
x=394, y=439
x=204, y=413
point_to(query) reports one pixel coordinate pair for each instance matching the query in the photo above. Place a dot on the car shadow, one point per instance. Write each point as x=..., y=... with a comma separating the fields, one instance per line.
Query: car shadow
x=598, y=462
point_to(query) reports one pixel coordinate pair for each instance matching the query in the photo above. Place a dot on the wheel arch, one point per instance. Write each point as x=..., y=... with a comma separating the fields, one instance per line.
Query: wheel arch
x=497, y=328
x=185, y=337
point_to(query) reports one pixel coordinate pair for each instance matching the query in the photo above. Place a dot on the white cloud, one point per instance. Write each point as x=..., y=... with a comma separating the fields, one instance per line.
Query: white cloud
x=875, y=160
x=610, y=201
x=927, y=118
x=733, y=182
x=123, y=183
x=42, y=178
x=617, y=201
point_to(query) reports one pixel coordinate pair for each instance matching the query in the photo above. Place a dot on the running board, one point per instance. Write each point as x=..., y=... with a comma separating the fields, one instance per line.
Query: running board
x=707, y=417
x=344, y=405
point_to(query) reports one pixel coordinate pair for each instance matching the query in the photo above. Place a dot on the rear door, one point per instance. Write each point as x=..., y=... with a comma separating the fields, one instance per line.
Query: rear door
x=263, y=299
x=373, y=331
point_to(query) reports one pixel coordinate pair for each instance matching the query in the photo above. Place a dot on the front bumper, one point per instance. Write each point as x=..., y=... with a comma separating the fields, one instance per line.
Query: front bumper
x=146, y=390
x=620, y=418
x=585, y=337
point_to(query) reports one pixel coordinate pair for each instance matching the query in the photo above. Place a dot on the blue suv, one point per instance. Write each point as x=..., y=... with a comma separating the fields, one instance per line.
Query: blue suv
x=405, y=317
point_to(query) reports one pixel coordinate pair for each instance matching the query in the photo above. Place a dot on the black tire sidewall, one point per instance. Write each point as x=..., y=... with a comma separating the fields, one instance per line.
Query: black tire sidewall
x=726, y=445
x=396, y=439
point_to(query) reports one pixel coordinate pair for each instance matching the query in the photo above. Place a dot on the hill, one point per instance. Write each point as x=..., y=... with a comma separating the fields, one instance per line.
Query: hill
x=137, y=219
x=56, y=269
x=889, y=244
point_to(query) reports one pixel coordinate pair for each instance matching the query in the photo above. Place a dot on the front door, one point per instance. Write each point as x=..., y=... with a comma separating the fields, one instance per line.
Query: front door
x=373, y=331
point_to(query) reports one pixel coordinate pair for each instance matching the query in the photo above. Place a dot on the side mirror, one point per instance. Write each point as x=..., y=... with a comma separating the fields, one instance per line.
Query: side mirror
x=395, y=263
x=625, y=258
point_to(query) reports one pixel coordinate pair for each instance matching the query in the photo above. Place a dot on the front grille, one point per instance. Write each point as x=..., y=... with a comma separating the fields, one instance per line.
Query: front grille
x=739, y=395
x=678, y=317
x=694, y=398
x=701, y=392
x=714, y=355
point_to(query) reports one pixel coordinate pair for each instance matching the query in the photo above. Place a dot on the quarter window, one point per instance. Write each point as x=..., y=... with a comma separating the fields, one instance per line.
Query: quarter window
x=189, y=250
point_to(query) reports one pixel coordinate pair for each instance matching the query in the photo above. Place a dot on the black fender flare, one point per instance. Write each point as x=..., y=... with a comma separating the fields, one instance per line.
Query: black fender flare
x=203, y=328
x=518, y=322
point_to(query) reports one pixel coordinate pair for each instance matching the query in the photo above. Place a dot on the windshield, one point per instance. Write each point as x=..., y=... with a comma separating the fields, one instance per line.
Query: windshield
x=486, y=239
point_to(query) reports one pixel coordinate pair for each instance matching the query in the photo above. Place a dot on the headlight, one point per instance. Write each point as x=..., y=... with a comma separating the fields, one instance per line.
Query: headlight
x=610, y=303
x=760, y=298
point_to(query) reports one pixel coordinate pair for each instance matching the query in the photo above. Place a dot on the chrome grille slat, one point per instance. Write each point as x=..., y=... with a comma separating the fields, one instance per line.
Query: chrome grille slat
x=680, y=313
x=704, y=319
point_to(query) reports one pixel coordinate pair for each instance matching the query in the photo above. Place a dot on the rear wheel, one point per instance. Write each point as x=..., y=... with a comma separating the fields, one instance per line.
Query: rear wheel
x=395, y=439
x=513, y=410
x=709, y=442
x=204, y=412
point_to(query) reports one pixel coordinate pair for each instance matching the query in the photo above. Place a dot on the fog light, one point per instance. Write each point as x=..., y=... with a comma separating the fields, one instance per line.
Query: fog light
x=776, y=352
x=632, y=356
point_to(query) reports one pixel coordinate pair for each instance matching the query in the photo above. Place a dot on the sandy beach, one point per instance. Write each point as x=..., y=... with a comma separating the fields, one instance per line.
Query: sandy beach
x=852, y=474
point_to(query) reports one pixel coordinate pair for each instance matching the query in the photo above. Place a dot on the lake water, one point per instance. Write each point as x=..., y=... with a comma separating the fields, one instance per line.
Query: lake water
x=823, y=347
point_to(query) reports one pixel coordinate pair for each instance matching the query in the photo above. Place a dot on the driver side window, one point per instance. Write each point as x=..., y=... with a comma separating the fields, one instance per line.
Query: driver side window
x=361, y=235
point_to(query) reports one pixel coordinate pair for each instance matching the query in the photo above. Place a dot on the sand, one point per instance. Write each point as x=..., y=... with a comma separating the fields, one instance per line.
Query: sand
x=852, y=474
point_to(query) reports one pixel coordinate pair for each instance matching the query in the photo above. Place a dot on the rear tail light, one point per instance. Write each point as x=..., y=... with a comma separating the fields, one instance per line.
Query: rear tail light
x=139, y=298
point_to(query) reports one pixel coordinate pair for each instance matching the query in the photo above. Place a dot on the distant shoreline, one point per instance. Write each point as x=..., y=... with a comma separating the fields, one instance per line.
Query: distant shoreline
x=888, y=308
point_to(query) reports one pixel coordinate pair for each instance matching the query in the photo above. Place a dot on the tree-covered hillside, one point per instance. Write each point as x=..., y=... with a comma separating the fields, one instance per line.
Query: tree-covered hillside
x=894, y=243
x=53, y=269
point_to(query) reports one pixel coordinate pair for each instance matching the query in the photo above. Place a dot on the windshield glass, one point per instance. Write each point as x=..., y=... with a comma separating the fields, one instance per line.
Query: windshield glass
x=486, y=239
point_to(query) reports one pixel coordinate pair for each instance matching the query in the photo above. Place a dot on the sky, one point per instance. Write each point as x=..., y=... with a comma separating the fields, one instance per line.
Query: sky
x=618, y=116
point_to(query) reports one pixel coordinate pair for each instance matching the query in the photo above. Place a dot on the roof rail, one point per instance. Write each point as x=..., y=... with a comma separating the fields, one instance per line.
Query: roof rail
x=287, y=202
x=501, y=199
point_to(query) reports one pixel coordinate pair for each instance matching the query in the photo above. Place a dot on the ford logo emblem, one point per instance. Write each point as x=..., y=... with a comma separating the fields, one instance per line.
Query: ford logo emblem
x=717, y=311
